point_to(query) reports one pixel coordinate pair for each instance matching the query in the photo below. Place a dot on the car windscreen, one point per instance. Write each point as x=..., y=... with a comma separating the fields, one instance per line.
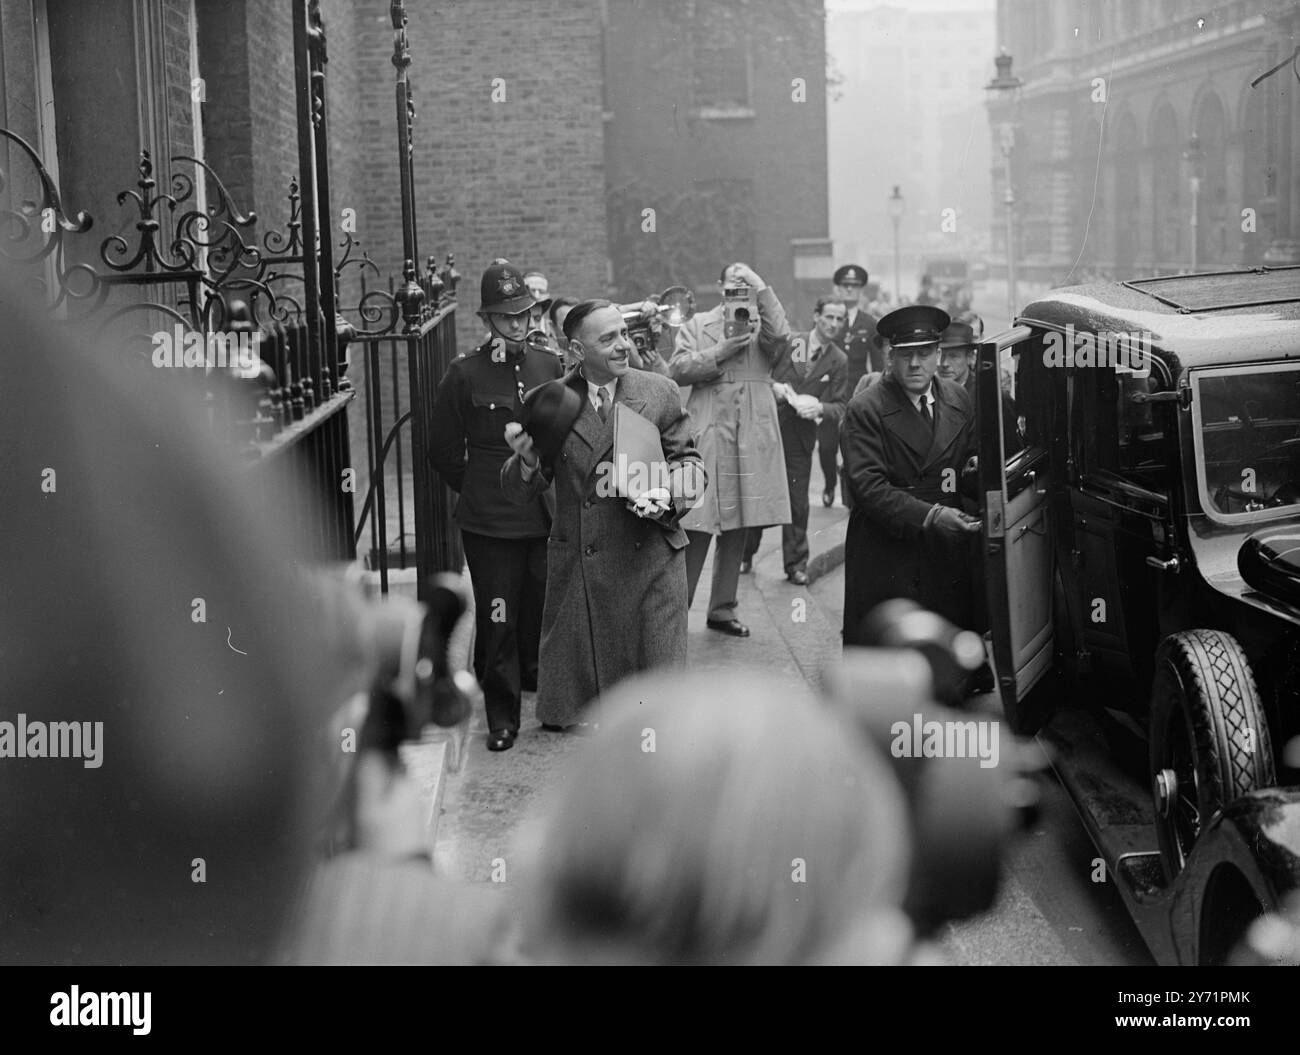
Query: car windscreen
x=1247, y=438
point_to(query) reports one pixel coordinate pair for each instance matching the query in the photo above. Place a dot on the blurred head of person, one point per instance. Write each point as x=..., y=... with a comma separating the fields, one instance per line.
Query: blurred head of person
x=828, y=317
x=158, y=608
x=537, y=284
x=717, y=819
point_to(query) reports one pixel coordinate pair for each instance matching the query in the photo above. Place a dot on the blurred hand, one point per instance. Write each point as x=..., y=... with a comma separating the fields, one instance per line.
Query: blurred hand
x=811, y=410
x=521, y=443
x=953, y=523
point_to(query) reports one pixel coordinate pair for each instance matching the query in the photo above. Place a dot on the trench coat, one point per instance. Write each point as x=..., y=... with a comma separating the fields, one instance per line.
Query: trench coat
x=734, y=413
x=894, y=468
x=616, y=599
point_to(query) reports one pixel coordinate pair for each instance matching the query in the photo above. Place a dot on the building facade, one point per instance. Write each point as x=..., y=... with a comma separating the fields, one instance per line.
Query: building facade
x=715, y=146
x=1140, y=146
x=909, y=112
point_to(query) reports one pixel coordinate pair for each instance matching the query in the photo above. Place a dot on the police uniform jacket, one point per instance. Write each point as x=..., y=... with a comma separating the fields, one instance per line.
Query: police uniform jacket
x=616, y=598
x=478, y=396
x=825, y=377
x=732, y=407
x=859, y=343
x=896, y=468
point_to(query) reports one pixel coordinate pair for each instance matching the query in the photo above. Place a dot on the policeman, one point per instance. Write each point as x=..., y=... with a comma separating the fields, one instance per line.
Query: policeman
x=505, y=544
x=906, y=441
x=864, y=355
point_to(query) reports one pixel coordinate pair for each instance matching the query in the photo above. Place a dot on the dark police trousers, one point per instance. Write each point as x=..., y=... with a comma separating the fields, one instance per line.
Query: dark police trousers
x=794, y=535
x=828, y=449
x=509, y=577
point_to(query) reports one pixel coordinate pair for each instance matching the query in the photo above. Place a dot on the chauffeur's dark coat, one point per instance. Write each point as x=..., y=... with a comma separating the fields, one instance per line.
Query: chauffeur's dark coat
x=894, y=468
x=616, y=583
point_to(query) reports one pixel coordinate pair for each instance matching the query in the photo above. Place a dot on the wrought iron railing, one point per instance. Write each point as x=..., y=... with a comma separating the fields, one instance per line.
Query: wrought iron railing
x=193, y=264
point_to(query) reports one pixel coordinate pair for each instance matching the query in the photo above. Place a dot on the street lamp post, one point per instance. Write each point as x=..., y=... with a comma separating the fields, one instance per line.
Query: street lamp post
x=1005, y=86
x=1194, y=155
x=896, y=214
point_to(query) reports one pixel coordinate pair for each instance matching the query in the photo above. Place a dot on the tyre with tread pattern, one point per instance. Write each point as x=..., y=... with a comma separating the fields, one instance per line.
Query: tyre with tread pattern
x=1210, y=741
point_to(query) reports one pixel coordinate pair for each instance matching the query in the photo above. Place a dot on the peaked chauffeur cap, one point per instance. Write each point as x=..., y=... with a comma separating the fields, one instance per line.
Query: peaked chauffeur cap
x=914, y=325
x=850, y=273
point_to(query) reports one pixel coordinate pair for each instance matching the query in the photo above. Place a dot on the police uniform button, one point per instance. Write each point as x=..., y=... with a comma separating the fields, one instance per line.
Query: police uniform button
x=492, y=406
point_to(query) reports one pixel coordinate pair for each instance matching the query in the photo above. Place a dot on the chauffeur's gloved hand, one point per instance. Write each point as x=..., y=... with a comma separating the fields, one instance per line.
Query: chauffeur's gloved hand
x=952, y=523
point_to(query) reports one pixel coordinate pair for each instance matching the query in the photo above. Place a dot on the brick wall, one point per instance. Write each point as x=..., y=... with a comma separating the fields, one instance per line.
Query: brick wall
x=522, y=178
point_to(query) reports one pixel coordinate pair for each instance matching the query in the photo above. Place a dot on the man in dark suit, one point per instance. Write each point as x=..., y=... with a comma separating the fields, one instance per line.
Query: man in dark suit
x=505, y=544
x=906, y=441
x=616, y=596
x=864, y=356
x=811, y=388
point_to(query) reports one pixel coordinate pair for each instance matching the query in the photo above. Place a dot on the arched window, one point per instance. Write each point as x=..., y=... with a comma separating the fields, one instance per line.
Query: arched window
x=1167, y=184
x=1212, y=201
x=1126, y=209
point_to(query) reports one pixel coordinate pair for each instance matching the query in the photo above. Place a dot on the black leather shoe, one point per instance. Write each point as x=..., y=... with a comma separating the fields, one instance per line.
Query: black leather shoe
x=828, y=498
x=746, y=566
x=554, y=728
x=734, y=627
x=799, y=578
x=501, y=740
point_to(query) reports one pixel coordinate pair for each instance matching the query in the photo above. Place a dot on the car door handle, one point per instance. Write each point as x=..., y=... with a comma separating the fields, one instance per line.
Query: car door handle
x=1164, y=565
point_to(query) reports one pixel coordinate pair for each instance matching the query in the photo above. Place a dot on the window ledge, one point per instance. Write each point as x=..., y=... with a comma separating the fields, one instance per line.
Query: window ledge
x=723, y=113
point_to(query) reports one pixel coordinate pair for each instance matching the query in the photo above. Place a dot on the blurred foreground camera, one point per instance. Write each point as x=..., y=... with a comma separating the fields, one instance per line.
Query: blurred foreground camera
x=970, y=784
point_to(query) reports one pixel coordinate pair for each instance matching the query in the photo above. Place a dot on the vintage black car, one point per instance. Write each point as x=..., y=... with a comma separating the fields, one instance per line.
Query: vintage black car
x=1142, y=571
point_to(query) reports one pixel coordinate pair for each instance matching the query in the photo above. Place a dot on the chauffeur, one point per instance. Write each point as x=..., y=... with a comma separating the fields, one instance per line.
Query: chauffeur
x=864, y=356
x=906, y=441
x=505, y=543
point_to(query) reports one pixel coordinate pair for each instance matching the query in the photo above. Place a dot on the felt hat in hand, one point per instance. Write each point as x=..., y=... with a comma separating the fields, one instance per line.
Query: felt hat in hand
x=548, y=416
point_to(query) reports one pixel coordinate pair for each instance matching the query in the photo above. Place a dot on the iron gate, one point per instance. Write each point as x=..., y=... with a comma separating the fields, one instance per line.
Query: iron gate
x=212, y=280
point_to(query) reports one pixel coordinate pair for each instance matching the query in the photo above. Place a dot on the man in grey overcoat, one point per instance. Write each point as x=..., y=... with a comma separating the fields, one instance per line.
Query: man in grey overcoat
x=733, y=409
x=616, y=597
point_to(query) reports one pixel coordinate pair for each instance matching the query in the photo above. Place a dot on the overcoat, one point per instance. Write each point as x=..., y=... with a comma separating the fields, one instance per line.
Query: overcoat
x=616, y=583
x=734, y=414
x=895, y=470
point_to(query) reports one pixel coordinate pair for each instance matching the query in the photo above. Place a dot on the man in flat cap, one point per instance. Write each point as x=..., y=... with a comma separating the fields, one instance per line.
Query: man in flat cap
x=957, y=364
x=906, y=441
x=864, y=356
x=505, y=543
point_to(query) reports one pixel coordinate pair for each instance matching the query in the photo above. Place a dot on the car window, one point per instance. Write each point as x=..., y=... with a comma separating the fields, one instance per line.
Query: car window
x=1122, y=434
x=1247, y=423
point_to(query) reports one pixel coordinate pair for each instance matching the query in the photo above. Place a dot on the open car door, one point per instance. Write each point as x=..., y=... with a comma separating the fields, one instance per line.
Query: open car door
x=1017, y=540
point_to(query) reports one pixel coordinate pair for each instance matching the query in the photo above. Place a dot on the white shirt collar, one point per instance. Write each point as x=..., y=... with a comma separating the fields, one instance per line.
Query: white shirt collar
x=927, y=395
x=593, y=391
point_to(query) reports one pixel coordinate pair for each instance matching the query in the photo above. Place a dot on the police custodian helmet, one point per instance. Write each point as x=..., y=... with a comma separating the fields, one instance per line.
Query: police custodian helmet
x=503, y=290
